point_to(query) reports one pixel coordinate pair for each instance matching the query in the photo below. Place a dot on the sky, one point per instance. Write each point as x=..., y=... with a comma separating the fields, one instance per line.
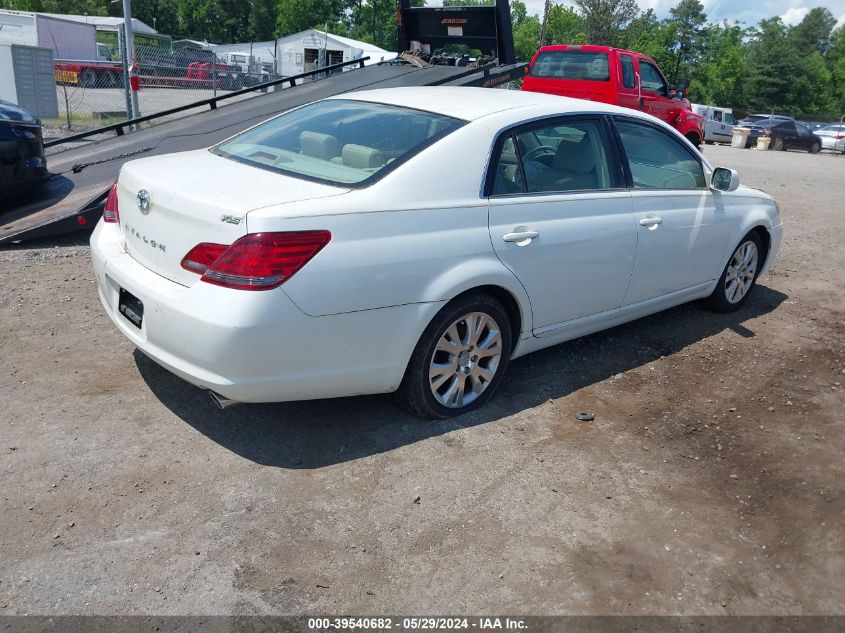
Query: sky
x=747, y=11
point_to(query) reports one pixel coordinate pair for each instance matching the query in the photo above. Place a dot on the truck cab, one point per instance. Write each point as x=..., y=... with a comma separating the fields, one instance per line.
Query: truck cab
x=614, y=76
x=718, y=123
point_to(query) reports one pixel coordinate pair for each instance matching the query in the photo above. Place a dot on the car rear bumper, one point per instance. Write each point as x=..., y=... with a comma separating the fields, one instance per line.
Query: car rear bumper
x=255, y=346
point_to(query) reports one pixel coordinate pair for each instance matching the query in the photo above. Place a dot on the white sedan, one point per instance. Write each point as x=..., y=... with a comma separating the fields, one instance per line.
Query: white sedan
x=416, y=240
x=833, y=137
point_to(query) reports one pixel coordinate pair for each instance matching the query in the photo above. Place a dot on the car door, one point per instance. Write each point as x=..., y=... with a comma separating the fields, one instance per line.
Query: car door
x=628, y=93
x=728, y=126
x=787, y=133
x=682, y=230
x=561, y=217
x=655, y=92
x=803, y=137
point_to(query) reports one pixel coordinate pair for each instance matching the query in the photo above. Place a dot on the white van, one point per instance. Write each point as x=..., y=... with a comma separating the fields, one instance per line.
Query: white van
x=718, y=123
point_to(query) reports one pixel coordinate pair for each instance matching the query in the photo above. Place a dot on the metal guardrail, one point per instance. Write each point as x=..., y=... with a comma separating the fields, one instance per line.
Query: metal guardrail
x=118, y=128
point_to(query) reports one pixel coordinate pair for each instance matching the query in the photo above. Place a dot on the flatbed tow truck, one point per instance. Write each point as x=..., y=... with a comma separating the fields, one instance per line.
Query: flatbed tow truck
x=72, y=199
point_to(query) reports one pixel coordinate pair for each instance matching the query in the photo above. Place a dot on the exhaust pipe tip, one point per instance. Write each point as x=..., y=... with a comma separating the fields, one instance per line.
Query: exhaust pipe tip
x=221, y=402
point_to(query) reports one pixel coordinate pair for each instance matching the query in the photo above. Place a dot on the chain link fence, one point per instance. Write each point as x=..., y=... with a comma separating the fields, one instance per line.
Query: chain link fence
x=92, y=94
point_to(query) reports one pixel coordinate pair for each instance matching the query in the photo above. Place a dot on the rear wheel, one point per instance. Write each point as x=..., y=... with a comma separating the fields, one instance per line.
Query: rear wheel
x=459, y=360
x=739, y=276
x=777, y=145
x=88, y=79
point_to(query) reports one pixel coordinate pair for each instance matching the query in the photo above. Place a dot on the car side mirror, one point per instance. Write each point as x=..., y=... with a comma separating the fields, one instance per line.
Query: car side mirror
x=724, y=179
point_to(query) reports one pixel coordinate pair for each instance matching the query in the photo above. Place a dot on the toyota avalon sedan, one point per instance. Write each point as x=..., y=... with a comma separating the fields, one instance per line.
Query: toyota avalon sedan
x=416, y=240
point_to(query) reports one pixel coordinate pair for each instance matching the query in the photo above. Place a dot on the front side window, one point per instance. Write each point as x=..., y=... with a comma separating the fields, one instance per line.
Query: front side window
x=338, y=141
x=572, y=64
x=651, y=78
x=628, y=80
x=657, y=160
x=729, y=118
x=560, y=157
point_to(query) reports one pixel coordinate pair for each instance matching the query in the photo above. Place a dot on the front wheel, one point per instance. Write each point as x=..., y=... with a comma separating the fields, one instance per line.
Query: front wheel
x=816, y=148
x=739, y=276
x=459, y=360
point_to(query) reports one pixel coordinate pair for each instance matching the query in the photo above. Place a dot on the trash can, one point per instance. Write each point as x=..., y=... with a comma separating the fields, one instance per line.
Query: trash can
x=763, y=142
x=740, y=137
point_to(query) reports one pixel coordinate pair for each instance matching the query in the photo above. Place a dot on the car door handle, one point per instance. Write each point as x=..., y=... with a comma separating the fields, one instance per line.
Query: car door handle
x=651, y=221
x=521, y=235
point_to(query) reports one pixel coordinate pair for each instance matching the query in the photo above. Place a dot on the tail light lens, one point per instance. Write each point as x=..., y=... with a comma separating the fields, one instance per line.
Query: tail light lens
x=202, y=256
x=110, y=211
x=839, y=138
x=258, y=261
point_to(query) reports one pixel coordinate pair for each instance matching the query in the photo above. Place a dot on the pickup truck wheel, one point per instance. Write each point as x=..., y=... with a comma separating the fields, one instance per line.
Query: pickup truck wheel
x=694, y=139
x=459, y=360
x=88, y=79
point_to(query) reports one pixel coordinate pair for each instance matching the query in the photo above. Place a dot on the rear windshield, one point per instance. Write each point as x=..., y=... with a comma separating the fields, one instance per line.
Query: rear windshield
x=340, y=142
x=572, y=65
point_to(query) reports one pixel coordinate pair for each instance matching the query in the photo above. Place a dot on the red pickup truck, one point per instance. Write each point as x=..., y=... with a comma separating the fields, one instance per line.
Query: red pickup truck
x=615, y=76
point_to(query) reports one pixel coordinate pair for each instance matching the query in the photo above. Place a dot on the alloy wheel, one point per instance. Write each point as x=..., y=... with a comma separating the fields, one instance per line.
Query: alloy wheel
x=741, y=272
x=465, y=360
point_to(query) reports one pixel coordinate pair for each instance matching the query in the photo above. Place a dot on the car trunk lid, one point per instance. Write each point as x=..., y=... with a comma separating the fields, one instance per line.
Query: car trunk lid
x=169, y=204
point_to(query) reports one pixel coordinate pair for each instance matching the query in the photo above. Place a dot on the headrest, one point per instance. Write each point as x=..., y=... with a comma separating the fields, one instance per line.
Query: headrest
x=575, y=158
x=318, y=145
x=361, y=157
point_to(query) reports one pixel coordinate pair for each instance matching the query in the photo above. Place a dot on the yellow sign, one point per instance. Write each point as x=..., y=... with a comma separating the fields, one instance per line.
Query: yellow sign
x=66, y=77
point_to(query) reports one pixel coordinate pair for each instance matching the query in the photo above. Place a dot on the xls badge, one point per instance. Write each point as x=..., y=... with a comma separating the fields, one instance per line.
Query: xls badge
x=144, y=201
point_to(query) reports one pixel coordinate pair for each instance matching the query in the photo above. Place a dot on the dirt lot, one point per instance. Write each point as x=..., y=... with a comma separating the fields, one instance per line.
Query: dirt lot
x=711, y=482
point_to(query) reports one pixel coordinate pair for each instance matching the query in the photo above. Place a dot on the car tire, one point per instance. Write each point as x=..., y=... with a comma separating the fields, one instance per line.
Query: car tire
x=88, y=79
x=739, y=275
x=777, y=145
x=815, y=148
x=442, y=395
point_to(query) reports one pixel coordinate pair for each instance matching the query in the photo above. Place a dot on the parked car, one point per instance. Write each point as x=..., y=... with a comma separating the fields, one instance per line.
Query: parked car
x=316, y=256
x=615, y=76
x=754, y=119
x=718, y=123
x=23, y=166
x=785, y=134
x=832, y=137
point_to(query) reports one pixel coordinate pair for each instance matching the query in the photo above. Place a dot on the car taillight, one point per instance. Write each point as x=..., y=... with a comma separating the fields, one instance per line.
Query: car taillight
x=839, y=138
x=202, y=256
x=110, y=211
x=258, y=261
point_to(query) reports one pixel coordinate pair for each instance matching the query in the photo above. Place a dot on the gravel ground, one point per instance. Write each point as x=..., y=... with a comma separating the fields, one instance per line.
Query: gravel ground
x=711, y=481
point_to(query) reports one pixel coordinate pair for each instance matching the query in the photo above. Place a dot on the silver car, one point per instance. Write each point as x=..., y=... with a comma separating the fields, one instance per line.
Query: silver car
x=833, y=137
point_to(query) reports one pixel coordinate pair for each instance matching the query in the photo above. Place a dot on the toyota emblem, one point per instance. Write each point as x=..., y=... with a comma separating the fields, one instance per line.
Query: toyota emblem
x=144, y=201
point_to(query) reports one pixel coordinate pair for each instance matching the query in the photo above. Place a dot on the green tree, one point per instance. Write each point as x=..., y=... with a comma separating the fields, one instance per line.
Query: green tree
x=687, y=21
x=813, y=32
x=564, y=26
x=605, y=19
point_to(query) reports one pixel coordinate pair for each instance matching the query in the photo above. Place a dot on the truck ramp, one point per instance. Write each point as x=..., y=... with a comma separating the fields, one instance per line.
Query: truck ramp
x=72, y=198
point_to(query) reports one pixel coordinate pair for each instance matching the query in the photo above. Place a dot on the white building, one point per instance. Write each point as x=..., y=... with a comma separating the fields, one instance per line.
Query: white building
x=311, y=49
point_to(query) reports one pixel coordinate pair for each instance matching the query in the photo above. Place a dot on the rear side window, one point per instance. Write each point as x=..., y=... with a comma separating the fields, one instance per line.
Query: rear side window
x=572, y=64
x=657, y=160
x=560, y=157
x=717, y=116
x=628, y=80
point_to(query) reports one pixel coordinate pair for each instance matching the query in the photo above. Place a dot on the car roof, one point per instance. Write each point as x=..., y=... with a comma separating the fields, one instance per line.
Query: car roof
x=470, y=104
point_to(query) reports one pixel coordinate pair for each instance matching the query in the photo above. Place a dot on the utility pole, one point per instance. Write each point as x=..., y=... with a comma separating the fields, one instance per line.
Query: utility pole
x=545, y=21
x=130, y=57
